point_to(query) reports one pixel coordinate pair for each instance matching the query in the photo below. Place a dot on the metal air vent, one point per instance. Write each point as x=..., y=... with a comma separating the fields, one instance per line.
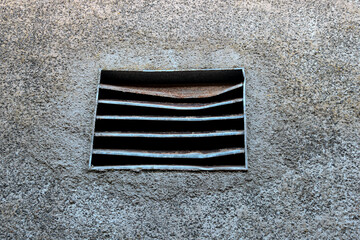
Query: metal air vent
x=172, y=120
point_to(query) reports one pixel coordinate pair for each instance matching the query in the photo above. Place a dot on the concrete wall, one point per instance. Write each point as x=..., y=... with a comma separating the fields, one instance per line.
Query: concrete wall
x=301, y=59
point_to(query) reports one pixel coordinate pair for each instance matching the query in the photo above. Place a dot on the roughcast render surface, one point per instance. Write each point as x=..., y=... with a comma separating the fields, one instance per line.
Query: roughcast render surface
x=301, y=59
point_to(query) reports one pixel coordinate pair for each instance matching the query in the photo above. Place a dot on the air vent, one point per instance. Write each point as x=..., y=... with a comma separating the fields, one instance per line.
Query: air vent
x=171, y=120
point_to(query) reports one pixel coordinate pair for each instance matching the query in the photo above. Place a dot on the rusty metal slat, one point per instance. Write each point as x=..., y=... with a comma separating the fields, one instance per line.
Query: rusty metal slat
x=171, y=135
x=162, y=118
x=176, y=154
x=176, y=91
x=173, y=106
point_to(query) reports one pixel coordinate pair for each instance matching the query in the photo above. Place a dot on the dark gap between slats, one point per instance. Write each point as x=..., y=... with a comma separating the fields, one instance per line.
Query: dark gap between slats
x=111, y=160
x=112, y=109
x=167, y=144
x=103, y=125
x=169, y=77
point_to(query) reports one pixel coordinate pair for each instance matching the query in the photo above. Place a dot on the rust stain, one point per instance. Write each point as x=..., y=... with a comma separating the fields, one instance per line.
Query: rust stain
x=176, y=91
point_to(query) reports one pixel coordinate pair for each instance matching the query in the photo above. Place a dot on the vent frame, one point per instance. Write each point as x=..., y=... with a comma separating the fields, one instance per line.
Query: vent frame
x=177, y=167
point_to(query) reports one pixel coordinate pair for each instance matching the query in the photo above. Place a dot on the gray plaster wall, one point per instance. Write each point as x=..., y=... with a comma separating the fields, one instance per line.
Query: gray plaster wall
x=301, y=60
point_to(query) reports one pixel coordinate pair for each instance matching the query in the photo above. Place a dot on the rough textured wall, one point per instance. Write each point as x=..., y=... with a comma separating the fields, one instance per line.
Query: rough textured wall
x=301, y=59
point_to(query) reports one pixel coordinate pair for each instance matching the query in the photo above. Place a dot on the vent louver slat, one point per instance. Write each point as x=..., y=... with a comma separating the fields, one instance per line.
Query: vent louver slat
x=186, y=91
x=178, y=106
x=162, y=118
x=178, y=154
x=170, y=120
x=170, y=135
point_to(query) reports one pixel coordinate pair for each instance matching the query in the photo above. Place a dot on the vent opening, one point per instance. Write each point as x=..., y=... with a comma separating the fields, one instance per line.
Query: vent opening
x=170, y=120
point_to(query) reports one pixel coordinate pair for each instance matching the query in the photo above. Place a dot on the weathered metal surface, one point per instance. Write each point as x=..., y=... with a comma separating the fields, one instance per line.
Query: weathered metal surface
x=244, y=111
x=94, y=116
x=167, y=154
x=173, y=106
x=171, y=135
x=176, y=91
x=171, y=167
x=161, y=118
